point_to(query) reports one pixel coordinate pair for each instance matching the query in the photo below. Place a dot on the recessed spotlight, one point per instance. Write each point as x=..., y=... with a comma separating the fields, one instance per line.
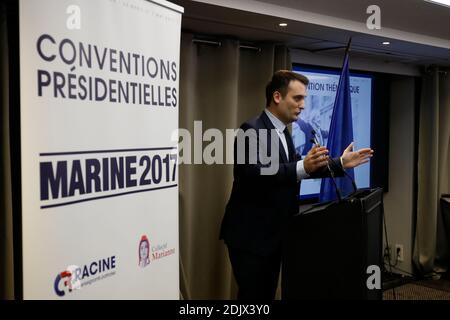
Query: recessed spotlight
x=386, y=43
x=283, y=24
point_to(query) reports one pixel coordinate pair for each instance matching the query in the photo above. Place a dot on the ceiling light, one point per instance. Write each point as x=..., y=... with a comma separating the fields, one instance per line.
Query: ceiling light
x=440, y=2
x=386, y=43
x=283, y=24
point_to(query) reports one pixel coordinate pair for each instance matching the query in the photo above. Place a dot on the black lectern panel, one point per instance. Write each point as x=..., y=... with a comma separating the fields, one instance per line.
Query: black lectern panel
x=327, y=249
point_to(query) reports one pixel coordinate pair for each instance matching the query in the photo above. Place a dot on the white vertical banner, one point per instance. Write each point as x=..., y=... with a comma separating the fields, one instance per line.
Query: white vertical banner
x=99, y=103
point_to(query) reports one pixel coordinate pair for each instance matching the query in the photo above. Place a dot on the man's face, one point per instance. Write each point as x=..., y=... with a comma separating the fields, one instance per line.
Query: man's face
x=290, y=107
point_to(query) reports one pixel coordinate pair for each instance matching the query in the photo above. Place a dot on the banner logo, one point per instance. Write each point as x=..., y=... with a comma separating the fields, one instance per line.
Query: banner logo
x=75, y=277
x=144, y=252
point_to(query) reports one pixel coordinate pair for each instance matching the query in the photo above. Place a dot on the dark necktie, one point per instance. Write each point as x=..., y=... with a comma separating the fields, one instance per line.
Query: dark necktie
x=290, y=144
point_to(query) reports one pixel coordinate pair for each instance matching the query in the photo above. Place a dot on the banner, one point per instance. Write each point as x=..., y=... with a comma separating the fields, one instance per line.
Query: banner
x=99, y=103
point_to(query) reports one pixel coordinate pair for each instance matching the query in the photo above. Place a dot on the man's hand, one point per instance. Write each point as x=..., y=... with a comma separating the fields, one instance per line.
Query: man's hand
x=315, y=159
x=351, y=159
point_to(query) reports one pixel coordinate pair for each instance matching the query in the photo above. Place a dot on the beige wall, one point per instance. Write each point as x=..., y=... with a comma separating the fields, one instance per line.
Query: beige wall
x=399, y=201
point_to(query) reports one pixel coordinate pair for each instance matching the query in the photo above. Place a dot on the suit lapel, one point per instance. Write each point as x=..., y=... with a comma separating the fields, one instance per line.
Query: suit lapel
x=269, y=125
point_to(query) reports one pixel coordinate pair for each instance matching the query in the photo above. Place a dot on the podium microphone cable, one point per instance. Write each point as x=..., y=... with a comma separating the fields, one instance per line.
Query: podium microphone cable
x=388, y=249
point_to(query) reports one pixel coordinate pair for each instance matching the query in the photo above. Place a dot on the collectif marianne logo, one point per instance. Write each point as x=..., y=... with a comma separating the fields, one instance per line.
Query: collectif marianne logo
x=76, y=278
x=144, y=252
x=147, y=252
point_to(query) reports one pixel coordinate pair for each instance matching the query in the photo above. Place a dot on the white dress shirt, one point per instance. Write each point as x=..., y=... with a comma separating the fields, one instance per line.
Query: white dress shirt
x=279, y=127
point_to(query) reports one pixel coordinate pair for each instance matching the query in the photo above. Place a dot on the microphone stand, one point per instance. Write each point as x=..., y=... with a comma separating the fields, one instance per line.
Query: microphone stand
x=338, y=192
x=355, y=188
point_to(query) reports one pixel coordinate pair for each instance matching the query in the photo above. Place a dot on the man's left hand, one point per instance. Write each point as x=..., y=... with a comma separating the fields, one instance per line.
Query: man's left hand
x=351, y=159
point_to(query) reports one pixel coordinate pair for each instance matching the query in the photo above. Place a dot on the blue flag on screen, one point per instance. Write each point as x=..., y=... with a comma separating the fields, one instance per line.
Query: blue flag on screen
x=340, y=135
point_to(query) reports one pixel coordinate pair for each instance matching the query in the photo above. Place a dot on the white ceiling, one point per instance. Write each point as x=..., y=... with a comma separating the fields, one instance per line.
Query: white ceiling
x=415, y=16
x=325, y=24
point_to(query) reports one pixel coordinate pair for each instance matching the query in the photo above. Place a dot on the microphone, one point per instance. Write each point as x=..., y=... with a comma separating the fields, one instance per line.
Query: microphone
x=338, y=192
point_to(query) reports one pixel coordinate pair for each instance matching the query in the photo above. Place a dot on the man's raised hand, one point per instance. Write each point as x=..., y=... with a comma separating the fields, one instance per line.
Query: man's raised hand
x=316, y=158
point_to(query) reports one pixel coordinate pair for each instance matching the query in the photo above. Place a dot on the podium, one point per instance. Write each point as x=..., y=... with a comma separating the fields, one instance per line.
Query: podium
x=328, y=247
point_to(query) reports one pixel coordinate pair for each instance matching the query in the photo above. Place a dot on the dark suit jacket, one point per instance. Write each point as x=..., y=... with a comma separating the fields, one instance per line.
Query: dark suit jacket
x=260, y=205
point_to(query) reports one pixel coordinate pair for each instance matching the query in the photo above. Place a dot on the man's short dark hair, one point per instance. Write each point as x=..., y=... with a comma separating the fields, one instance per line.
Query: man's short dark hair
x=280, y=82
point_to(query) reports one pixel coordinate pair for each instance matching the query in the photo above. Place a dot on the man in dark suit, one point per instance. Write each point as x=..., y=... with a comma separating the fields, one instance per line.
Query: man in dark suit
x=261, y=202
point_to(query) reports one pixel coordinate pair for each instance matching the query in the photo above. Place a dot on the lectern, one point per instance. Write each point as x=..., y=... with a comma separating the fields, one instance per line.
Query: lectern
x=328, y=248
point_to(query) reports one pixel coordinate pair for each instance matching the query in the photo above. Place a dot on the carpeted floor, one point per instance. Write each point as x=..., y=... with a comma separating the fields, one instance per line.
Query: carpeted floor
x=420, y=290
